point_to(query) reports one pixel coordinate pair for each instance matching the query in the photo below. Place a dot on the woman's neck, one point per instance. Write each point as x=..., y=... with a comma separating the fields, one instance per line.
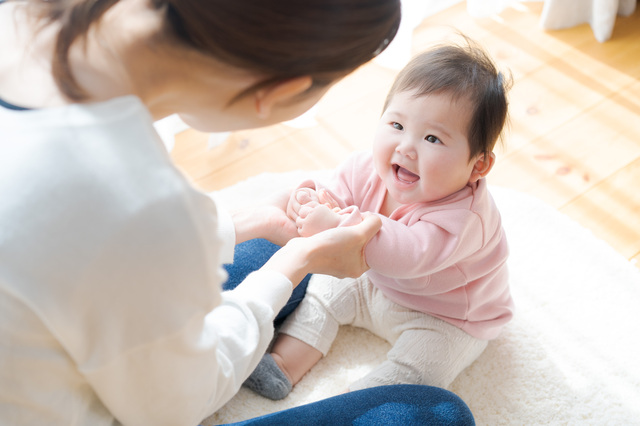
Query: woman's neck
x=99, y=62
x=125, y=54
x=25, y=77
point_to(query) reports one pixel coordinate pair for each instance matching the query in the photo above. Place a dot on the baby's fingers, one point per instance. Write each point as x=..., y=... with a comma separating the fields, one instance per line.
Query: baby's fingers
x=304, y=196
x=325, y=198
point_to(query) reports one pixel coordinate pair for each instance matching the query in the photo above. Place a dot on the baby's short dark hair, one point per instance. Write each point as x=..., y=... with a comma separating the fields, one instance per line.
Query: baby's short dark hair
x=466, y=71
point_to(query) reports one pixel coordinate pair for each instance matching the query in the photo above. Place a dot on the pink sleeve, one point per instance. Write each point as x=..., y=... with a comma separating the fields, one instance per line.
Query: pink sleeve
x=406, y=252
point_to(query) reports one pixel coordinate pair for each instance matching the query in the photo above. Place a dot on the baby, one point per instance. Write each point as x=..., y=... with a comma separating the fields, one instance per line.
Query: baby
x=437, y=289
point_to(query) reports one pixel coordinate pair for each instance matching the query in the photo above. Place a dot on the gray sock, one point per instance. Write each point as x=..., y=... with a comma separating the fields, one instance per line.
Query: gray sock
x=268, y=380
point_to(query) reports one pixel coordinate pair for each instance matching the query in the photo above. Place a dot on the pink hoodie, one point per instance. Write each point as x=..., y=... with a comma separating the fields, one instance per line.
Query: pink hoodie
x=445, y=258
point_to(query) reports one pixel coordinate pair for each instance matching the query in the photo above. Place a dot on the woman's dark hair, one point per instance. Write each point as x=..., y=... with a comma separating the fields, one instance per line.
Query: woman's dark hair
x=280, y=39
x=465, y=71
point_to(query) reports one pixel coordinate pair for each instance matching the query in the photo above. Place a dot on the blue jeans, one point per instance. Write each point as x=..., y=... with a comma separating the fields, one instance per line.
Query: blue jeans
x=401, y=405
x=250, y=256
x=384, y=405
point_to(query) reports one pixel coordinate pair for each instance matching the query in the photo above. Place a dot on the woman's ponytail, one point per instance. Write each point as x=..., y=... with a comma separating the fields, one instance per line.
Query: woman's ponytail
x=75, y=18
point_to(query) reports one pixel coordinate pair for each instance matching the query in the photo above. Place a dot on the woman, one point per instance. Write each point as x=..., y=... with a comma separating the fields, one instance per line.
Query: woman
x=110, y=275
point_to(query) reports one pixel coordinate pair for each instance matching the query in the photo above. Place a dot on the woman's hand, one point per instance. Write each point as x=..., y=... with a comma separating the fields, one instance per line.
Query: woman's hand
x=338, y=252
x=267, y=220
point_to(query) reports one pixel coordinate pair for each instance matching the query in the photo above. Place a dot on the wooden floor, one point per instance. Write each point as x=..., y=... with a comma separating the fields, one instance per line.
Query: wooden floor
x=574, y=139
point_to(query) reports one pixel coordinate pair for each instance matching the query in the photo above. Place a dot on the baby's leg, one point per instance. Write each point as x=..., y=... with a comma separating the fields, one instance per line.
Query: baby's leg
x=278, y=371
x=294, y=357
x=433, y=355
x=304, y=338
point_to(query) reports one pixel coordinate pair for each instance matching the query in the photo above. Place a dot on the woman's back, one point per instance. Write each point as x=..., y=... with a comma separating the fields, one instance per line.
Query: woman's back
x=103, y=261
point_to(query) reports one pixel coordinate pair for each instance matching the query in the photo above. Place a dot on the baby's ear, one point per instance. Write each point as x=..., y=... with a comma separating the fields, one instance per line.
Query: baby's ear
x=482, y=167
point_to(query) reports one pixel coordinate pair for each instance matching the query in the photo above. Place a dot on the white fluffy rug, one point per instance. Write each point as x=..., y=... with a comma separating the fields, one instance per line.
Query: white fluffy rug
x=570, y=356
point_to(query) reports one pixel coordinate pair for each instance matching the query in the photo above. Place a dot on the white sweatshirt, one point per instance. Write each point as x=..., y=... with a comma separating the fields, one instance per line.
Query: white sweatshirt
x=110, y=303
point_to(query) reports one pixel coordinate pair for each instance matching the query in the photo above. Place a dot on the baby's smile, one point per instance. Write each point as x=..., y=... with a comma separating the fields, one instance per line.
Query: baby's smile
x=404, y=175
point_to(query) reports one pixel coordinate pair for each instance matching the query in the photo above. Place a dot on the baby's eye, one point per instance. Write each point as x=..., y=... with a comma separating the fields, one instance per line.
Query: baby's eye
x=397, y=126
x=432, y=139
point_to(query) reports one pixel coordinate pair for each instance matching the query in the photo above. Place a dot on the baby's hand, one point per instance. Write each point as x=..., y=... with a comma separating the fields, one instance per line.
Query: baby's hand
x=315, y=219
x=299, y=198
x=325, y=198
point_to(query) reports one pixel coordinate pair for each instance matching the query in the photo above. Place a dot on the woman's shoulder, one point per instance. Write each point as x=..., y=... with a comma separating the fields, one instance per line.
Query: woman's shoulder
x=99, y=173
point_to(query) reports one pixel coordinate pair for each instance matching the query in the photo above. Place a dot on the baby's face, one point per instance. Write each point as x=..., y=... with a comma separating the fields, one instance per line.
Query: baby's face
x=420, y=149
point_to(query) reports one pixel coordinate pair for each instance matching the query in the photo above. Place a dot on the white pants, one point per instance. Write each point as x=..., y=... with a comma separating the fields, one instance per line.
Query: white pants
x=426, y=350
